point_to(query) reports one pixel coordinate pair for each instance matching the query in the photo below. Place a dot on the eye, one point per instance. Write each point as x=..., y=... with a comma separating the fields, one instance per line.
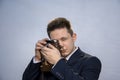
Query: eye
x=64, y=38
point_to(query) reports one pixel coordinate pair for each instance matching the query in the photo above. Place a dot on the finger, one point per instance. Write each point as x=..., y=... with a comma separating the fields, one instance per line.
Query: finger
x=38, y=46
x=43, y=53
x=51, y=46
x=45, y=49
x=40, y=42
x=43, y=41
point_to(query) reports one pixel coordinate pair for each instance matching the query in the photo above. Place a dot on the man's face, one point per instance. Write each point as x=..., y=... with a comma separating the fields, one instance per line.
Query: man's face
x=66, y=41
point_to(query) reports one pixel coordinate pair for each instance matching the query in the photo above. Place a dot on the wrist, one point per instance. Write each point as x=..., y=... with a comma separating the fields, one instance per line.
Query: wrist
x=36, y=60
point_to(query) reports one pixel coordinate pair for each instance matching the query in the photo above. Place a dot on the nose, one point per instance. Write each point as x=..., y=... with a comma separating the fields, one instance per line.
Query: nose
x=61, y=43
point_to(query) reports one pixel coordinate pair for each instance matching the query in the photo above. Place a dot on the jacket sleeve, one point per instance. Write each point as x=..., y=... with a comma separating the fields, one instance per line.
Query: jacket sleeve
x=32, y=71
x=90, y=70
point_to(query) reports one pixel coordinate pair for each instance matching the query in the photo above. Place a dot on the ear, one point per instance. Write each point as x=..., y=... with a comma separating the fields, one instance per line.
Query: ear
x=74, y=36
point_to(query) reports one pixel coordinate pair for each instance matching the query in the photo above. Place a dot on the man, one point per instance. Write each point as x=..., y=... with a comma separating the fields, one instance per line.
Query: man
x=68, y=63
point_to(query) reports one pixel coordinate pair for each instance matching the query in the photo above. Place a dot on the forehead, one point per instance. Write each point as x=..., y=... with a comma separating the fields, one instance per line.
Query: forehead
x=59, y=33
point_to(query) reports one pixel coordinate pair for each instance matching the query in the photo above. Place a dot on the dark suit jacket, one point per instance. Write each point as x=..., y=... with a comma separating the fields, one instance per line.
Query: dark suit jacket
x=80, y=66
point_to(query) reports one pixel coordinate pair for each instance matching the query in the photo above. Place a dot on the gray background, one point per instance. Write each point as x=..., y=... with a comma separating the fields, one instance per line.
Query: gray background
x=23, y=22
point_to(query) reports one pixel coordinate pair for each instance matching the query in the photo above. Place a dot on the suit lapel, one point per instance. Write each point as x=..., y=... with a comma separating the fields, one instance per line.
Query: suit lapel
x=77, y=55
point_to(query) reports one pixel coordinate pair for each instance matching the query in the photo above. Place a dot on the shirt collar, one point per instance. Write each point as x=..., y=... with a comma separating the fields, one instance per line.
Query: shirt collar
x=68, y=57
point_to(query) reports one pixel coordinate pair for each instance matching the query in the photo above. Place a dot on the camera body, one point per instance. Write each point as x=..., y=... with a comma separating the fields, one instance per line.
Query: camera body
x=54, y=42
x=46, y=66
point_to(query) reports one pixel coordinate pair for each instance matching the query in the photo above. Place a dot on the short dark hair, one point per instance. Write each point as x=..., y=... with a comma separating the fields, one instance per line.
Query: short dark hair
x=58, y=23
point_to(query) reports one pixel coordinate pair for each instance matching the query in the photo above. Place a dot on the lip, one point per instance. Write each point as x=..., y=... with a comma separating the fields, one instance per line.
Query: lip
x=63, y=51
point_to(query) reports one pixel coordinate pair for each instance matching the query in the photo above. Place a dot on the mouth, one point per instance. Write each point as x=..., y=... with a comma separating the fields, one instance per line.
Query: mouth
x=62, y=50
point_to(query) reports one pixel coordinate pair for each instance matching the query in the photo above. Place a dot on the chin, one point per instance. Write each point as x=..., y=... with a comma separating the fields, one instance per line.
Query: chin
x=64, y=54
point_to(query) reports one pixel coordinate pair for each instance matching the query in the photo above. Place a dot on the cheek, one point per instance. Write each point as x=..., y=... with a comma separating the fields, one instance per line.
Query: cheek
x=69, y=44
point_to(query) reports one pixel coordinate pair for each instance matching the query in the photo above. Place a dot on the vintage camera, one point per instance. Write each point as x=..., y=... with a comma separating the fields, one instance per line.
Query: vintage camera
x=45, y=66
x=54, y=42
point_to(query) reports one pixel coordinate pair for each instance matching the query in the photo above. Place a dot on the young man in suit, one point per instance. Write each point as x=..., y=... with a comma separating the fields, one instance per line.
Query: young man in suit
x=68, y=62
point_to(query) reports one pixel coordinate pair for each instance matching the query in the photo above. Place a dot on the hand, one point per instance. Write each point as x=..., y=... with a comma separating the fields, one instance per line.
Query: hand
x=51, y=54
x=39, y=45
